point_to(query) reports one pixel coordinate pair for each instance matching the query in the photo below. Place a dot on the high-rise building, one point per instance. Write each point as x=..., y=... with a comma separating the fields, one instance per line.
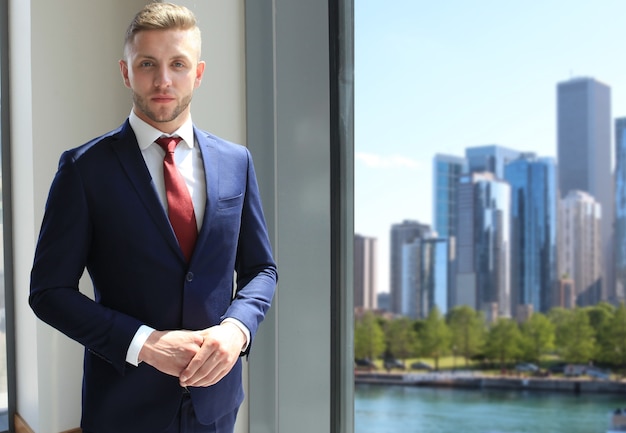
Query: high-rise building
x=403, y=233
x=483, y=244
x=534, y=216
x=564, y=295
x=446, y=172
x=434, y=275
x=620, y=210
x=584, y=155
x=424, y=276
x=384, y=303
x=580, y=246
x=365, y=285
x=411, y=288
x=492, y=158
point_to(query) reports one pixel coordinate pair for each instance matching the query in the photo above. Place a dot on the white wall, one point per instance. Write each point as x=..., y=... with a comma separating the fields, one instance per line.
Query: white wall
x=219, y=105
x=66, y=89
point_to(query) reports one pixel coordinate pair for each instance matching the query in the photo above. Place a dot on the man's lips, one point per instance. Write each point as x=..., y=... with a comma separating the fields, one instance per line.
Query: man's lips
x=163, y=99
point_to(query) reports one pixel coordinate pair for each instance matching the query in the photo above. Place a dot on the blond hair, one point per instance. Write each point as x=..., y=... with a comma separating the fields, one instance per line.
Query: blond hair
x=162, y=16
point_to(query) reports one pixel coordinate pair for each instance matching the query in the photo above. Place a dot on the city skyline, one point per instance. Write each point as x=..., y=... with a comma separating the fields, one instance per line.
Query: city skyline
x=428, y=85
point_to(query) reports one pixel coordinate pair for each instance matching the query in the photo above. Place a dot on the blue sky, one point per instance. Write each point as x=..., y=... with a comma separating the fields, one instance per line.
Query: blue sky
x=437, y=77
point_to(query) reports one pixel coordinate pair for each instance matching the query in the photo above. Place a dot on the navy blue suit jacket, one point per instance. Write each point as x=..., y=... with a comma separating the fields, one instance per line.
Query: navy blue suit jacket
x=103, y=214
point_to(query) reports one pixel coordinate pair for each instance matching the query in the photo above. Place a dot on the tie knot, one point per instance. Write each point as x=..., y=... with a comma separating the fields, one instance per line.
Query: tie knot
x=168, y=144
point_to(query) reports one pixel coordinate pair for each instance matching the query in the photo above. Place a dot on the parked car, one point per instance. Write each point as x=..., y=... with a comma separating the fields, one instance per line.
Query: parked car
x=557, y=368
x=575, y=370
x=365, y=364
x=391, y=364
x=419, y=365
x=527, y=366
x=598, y=373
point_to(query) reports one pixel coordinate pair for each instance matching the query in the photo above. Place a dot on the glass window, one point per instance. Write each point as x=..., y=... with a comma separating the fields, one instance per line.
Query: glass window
x=468, y=90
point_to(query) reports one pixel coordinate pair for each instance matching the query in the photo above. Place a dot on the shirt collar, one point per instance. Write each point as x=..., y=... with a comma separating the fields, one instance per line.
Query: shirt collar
x=146, y=134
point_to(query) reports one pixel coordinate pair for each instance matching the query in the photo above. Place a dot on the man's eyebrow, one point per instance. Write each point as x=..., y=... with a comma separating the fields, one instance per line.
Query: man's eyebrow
x=175, y=57
x=145, y=56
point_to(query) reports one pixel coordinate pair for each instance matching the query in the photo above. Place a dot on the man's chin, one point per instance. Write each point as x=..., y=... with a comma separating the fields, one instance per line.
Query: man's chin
x=164, y=117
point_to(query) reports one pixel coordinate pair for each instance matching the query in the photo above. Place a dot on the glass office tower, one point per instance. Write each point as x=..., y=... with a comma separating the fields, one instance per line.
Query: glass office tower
x=446, y=172
x=620, y=210
x=401, y=234
x=434, y=276
x=492, y=158
x=424, y=276
x=534, y=215
x=483, y=245
x=411, y=289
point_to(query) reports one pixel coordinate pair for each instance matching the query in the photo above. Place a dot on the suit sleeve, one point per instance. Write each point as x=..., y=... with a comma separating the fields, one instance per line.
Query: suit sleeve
x=60, y=259
x=256, y=270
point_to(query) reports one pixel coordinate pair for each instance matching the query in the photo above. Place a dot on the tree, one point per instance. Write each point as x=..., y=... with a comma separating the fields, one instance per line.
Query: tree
x=559, y=316
x=615, y=332
x=577, y=343
x=600, y=317
x=401, y=338
x=503, y=341
x=369, y=339
x=537, y=337
x=434, y=336
x=467, y=328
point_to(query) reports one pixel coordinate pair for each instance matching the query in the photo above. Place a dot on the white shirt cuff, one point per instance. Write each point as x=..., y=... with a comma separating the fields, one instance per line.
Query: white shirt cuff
x=142, y=334
x=244, y=329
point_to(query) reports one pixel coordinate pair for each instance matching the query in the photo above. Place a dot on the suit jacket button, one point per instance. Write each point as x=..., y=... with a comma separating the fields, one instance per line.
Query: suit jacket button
x=189, y=277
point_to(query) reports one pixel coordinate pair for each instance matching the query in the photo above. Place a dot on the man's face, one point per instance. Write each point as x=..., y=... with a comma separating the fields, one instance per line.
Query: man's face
x=162, y=70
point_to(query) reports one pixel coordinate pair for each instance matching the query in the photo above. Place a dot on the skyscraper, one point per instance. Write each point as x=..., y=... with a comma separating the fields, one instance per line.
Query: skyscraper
x=365, y=287
x=434, y=276
x=491, y=158
x=534, y=216
x=411, y=288
x=446, y=172
x=403, y=233
x=483, y=244
x=584, y=154
x=620, y=210
x=580, y=246
x=424, y=276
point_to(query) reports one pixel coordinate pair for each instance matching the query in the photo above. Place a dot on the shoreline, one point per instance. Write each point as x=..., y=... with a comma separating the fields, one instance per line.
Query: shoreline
x=472, y=380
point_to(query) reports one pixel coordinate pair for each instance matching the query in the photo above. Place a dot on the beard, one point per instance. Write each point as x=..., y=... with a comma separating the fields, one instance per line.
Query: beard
x=164, y=115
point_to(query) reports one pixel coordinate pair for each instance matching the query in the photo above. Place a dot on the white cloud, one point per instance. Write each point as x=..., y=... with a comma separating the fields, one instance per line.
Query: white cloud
x=387, y=161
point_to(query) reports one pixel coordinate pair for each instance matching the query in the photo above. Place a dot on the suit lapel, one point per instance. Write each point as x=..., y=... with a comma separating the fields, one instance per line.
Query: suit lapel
x=131, y=159
x=210, y=159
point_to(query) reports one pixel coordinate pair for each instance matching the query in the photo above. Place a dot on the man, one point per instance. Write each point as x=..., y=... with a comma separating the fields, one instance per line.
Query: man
x=165, y=332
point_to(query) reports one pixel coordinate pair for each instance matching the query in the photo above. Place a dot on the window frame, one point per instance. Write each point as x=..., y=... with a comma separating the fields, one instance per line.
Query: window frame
x=287, y=46
x=7, y=220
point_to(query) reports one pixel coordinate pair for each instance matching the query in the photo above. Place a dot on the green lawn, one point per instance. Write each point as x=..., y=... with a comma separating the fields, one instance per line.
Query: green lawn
x=458, y=363
x=445, y=363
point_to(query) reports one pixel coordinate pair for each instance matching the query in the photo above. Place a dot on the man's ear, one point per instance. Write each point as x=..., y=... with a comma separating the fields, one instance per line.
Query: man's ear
x=124, y=72
x=199, y=72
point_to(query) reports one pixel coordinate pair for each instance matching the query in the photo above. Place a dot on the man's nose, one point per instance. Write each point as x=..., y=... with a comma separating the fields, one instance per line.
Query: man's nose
x=162, y=78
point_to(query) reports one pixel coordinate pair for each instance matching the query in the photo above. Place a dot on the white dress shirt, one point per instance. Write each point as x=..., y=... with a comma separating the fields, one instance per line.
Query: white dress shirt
x=189, y=163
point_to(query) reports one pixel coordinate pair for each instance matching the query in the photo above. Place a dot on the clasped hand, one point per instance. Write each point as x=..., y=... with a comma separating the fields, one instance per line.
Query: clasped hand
x=197, y=358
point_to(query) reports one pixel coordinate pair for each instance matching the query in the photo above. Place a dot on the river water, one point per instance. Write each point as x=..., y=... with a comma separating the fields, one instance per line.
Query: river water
x=407, y=409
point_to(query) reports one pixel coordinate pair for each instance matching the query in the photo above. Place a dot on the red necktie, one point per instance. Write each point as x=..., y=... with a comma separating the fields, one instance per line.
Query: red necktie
x=179, y=204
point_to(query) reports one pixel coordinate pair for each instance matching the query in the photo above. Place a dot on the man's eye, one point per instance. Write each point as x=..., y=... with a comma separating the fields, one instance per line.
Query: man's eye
x=145, y=64
x=179, y=64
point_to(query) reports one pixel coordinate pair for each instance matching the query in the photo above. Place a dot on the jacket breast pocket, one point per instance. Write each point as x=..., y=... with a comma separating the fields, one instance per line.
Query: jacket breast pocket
x=230, y=202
